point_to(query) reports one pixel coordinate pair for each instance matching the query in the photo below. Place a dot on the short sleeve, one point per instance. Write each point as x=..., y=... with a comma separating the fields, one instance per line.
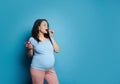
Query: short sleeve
x=32, y=40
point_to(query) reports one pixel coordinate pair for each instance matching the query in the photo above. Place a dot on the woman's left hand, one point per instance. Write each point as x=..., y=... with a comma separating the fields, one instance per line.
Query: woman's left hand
x=51, y=32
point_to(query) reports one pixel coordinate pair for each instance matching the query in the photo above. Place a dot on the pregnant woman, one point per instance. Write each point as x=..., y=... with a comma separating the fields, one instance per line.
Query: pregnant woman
x=41, y=46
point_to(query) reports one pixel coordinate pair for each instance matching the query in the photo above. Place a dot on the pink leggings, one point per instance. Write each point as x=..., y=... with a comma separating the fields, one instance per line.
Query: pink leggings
x=38, y=76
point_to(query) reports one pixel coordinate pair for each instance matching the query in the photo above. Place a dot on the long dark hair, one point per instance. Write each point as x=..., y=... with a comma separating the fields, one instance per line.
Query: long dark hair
x=35, y=29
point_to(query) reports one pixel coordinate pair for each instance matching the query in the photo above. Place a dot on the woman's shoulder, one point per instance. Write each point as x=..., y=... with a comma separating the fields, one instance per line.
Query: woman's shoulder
x=32, y=40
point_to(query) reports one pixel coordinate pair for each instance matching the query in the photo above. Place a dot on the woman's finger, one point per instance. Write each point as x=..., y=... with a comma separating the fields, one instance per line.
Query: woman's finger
x=51, y=31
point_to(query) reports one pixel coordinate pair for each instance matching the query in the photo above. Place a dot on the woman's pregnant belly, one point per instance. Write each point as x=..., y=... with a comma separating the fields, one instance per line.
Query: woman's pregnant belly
x=43, y=62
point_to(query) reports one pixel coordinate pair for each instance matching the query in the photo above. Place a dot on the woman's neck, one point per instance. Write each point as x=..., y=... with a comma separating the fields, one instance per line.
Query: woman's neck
x=41, y=36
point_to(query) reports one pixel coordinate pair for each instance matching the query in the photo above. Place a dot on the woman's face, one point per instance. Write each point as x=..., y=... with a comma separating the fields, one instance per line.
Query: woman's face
x=43, y=27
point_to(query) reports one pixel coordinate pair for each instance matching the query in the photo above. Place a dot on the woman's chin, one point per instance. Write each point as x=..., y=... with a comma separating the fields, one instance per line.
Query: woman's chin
x=45, y=32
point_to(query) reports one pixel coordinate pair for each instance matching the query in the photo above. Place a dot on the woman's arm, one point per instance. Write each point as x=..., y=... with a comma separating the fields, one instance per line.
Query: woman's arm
x=55, y=45
x=30, y=49
x=30, y=52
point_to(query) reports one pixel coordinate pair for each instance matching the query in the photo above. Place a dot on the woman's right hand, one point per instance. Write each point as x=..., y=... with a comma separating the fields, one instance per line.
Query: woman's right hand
x=28, y=45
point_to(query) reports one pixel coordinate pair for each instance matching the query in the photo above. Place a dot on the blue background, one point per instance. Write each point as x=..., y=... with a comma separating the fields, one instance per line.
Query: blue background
x=87, y=31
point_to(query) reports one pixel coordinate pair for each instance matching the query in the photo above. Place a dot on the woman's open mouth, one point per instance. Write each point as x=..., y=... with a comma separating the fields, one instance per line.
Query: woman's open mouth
x=47, y=30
